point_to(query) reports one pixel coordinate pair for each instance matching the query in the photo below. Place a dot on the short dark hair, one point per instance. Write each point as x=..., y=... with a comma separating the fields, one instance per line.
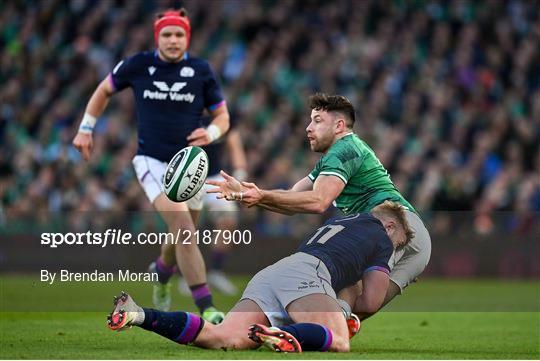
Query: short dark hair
x=333, y=103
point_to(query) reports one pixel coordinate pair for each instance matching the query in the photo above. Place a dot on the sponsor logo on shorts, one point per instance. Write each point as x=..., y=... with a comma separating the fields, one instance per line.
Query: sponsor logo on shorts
x=311, y=284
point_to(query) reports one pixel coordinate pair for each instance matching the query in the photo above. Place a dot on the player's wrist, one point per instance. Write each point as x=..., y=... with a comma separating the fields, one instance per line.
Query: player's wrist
x=87, y=124
x=213, y=132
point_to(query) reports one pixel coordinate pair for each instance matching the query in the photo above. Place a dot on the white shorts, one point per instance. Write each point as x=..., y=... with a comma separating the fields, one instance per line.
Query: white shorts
x=150, y=173
x=287, y=280
x=409, y=262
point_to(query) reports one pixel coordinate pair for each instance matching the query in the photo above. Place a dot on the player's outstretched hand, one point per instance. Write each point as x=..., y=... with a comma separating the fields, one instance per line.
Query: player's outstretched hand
x=230, y=188
x=199, y=137
x=251, y=195
x=84, y=143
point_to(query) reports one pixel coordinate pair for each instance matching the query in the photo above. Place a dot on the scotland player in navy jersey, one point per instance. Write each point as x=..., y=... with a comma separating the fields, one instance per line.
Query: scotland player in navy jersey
x=171, y=90
x=291, y=305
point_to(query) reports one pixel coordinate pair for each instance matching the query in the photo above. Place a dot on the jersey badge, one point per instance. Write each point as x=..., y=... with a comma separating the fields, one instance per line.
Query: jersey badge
x=187, y=71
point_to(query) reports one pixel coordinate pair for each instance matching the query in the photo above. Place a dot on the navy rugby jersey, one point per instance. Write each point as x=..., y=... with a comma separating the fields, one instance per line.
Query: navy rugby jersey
x=350, y=246
x=170, y=99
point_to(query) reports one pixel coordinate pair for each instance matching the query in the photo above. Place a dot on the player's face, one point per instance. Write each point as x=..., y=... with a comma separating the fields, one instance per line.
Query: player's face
x=321, y=131
x=172, y=43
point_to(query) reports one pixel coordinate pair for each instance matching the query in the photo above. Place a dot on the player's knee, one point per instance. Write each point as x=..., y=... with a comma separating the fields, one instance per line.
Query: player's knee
x=340, y=344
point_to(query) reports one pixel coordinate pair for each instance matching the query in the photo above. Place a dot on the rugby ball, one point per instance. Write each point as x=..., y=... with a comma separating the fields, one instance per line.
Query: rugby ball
x=185, y=174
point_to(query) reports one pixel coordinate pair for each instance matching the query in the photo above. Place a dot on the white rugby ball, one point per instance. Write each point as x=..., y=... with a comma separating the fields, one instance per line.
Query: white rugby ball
x=185, y=174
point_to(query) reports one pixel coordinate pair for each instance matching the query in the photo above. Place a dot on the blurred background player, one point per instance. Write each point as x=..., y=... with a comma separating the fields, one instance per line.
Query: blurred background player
x=171, y=90
x=218, y=214
x=296, y=296
x=348, y=175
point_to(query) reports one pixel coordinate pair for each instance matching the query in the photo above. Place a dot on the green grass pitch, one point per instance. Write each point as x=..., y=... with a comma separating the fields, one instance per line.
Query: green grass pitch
x=435, y=319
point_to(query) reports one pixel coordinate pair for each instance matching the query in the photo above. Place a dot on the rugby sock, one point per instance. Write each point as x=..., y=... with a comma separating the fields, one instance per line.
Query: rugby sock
x=311, y=336
x=163, y=271
x=218, y=259
x=180, y=327
x=202, y=296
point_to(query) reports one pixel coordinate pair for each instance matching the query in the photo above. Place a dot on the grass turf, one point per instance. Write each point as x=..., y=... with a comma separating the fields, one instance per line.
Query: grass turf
x=437, y=319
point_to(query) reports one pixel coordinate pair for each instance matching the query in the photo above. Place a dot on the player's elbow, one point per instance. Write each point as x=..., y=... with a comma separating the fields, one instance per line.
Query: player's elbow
x=321, y=205
x=318, y=208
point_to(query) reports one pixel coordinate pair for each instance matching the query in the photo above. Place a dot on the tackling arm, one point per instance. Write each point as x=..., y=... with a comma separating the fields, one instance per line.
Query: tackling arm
x=374, y=286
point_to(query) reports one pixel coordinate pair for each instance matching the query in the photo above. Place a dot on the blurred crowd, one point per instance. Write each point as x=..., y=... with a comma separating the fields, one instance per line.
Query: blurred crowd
x=447, y=94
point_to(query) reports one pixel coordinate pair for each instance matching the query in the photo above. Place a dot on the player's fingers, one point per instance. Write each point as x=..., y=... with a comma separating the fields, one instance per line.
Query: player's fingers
x=214, y=190
x=225, y=175
x=213, y=182
x=86, y=153
x=248, y=184
x=197, y=133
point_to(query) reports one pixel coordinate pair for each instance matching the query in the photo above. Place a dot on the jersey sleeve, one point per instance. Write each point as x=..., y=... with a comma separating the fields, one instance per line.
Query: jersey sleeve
x=379, y=261
x=342, y=166
x=213, y=97
x=315, y=172
x=122, y=74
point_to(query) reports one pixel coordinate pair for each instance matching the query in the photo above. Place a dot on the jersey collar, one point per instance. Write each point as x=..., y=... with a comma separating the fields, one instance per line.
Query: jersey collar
x=156, y=55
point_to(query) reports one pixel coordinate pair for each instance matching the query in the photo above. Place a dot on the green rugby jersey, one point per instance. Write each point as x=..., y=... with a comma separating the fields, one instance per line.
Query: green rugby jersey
x=367, y=183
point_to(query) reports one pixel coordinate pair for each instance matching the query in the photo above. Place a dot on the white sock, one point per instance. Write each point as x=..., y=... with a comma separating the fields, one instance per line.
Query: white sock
x=139, y=319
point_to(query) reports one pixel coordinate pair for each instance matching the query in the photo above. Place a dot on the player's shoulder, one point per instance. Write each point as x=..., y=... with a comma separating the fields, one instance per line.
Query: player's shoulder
x=362, y=219
x=143, y=58
x=197, y=63
x=345, y=149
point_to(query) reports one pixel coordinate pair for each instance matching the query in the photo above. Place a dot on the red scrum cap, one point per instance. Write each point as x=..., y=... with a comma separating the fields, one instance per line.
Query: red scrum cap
x=172, y=18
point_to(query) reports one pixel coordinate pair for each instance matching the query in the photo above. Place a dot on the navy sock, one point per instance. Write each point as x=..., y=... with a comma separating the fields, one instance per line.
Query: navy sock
x=163, y=271
x=181, y=327
x=218, y=259
x=311, y=336
x=202, y=296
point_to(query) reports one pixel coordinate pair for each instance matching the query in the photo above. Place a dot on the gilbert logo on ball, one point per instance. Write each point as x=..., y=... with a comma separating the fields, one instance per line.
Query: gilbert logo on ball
x=186, y=173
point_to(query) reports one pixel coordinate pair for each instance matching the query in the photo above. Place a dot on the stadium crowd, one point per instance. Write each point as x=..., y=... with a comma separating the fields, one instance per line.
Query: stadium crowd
x=448, y=95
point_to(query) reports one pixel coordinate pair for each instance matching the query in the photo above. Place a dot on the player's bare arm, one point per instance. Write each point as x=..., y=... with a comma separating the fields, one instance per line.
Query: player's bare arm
x=232, y=189
x=304, y=184
x=219, y=126
x=304, y=197
x=96, y=106
x=325, y=190
x=375, y=284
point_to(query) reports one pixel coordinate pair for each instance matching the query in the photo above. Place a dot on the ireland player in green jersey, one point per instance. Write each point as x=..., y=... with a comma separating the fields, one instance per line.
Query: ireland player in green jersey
x=350, y=176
